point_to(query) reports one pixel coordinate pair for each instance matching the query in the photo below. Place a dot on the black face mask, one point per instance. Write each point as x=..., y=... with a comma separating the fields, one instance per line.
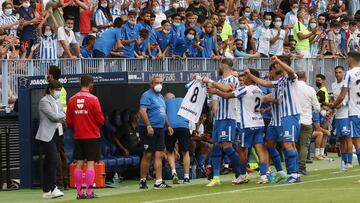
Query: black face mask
x=239, y=48
x=196, y=2
x=318, y=84
x=147, y=22
x=220, y=72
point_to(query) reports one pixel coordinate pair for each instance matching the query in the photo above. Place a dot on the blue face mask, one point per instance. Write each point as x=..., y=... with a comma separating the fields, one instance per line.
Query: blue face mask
x=306, y=21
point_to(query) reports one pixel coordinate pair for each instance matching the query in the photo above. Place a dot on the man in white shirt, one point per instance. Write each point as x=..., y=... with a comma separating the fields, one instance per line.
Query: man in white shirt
x=309, y=104
x=261, y=39
x=68, y=47
x=342, y=124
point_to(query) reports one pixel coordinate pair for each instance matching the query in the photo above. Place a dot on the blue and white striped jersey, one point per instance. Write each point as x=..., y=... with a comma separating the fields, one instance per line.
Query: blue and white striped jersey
x=6, y=20
x=48, y=47
x=286, y=90
x=254, y=5
x=269, y=9
x=228, y=108
x=250, y=98
x=275, y=111
x=101, y=19
x=116, y=10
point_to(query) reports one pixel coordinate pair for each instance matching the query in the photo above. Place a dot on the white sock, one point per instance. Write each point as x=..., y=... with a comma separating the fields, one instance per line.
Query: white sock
x=295, y=175
x=186, y=176
x=142, y=179
x=173, y=171
x=317, y=151
x=157, y=182
x=263, y=177
x=226, y=165
x=322, y=151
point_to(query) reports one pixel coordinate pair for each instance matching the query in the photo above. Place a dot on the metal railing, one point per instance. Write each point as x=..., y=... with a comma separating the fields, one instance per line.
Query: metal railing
x=12, y=70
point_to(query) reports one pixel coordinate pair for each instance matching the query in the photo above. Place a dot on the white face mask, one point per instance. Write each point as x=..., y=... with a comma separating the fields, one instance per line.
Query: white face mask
x=26, y=4
x=68, y=28
x=8, y=11
x=104, y=5
x=294, y=10
x=176, y=5
x=323, y=113
x=156, y=9
x=57, y=94
x=158, y=88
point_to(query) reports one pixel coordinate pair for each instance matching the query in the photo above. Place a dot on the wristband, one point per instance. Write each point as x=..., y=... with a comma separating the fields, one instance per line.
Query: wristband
x=211, y=81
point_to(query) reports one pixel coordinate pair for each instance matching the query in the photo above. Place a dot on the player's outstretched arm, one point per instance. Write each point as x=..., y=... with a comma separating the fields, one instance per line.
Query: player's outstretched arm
x=290, y=72
x=226, y=95
x=221, y=87
x=258, y=81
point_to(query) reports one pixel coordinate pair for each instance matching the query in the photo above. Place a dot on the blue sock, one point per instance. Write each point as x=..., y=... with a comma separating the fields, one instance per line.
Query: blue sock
x=263, y=168
x=242, y=168
x=344, y=157
x=358, y=154
x=201, y=159
x=234, y=157
x=292, y=159
x=216, y=159
x=226, y=158
x=286, y=161
x=209, y=160
x=275, y=157
x=349, y=157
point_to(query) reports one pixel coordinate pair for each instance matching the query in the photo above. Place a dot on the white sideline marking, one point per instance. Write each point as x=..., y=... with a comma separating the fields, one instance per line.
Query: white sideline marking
x=247, y=189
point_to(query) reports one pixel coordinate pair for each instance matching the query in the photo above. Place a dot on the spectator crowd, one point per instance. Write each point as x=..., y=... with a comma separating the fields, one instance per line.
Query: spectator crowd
x=216, y=29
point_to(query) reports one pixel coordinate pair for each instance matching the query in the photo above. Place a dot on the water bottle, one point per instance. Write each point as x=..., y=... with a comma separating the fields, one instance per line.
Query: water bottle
x=116, y=178
x=193, y=171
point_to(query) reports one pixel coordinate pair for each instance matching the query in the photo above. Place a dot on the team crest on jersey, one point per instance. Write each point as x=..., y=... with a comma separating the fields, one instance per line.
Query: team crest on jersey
x=80, y=103
x=146, y=146
x=223, y=134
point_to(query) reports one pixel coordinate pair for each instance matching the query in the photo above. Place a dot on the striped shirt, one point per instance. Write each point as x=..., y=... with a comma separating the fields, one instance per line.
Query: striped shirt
x=228, y=108
x=6, y=20
x=286, y=90
x=321, y=8
x=125, y=11
x=116, y=10
x=101, y=19
x=48, y=47
x=275, y=113
x=254, y=5
x=243, y=35
x=269, y=9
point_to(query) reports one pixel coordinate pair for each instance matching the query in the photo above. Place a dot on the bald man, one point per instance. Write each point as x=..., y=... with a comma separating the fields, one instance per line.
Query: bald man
x=181, y=134
x=308, y=103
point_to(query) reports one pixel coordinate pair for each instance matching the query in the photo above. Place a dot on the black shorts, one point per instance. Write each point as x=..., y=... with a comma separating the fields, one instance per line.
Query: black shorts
x=180, y=134
x=153, y=143
x=87, y=149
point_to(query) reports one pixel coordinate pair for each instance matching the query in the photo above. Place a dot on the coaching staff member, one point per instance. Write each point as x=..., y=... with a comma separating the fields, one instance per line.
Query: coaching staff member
x=84, y=115
x=151, y=129
x=52, y=116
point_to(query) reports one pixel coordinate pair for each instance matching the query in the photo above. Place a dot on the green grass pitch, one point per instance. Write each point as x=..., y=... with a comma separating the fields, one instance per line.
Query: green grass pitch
x=325, y=183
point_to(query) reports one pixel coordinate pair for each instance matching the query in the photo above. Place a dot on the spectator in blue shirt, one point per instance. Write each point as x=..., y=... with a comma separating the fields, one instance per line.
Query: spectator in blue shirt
x=181, y=135
x=129, y=34
x=87, y=50
x=191, y=23
x=151, y=130
x=144, y=22
x=27, y=29
x=208, y=42
x=141, y=49
x=153, y=49
x=239, y=51
x=177, y=27
x=109, y=39
x=344, y=32
x=188, y=46
x=164, y=39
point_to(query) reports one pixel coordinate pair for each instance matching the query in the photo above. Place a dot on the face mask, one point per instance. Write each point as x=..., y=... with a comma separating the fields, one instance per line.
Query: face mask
x=26, y=4
x=93, y=34
x=336, y=31
x=340, y=3
x=48, y=33
x=345, y=27
x=176, y=24
x=278, y=24
x=57, y=94
x=176, y=5
x=104, y=5
x=190, y=36
x=132, y=22
x=312, y=25
x=267, y=23
x=247, y=14
x=166, y=31
x=158, y=88
x=156, y=9
x=8, y=11
x=318, y=84
x=323, y=113
x=242, y=26
x=294, y=10
x=306, y=21
x=68, y=28
x=196, y=2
